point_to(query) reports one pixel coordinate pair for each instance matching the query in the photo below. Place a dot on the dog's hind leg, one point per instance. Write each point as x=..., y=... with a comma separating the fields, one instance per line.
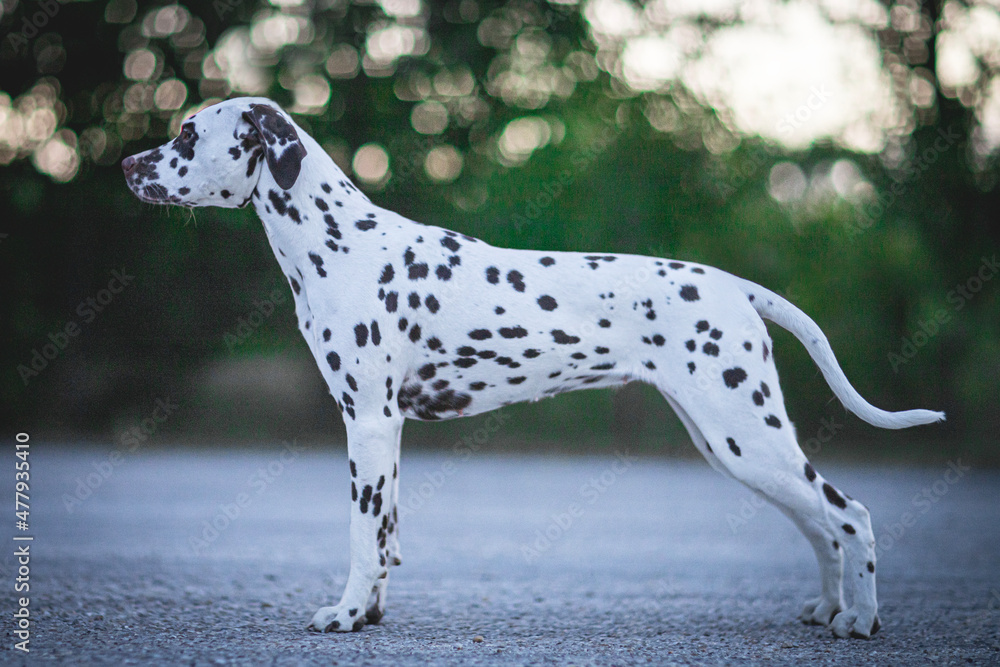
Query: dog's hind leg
x=822, y=609
x=763, y=454
x=700, y=443
x=819, y=610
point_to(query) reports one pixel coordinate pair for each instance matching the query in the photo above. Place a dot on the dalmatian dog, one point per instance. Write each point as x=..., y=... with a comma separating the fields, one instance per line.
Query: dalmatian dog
x=407, y=320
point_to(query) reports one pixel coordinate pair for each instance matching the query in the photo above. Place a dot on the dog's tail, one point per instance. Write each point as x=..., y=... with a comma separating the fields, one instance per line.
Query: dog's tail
x=783, y=313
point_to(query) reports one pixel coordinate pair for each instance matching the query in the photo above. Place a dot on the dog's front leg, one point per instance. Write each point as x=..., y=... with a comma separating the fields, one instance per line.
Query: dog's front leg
x=388, y=538
x=371, y=445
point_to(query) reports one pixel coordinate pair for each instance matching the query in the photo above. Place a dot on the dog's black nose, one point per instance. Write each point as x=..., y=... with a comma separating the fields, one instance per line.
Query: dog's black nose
x=128, y=165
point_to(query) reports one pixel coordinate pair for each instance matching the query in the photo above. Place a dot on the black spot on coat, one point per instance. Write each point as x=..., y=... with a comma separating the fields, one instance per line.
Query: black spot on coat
x=318, y=262
x=513, y=332
x=562, y=338
x=333, y=359
x=546, y=302
x=833, y=497
x=733, y=377
x=689, y=293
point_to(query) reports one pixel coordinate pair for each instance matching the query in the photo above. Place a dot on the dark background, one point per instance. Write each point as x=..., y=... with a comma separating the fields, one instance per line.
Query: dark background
x=880, y=272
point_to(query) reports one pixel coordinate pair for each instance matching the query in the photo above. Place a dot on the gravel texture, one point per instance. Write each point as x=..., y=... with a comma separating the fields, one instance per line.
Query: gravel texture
x=506, y=560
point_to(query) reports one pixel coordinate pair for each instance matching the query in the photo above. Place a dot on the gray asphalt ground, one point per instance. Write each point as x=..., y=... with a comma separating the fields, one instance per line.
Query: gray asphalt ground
x=659, y=562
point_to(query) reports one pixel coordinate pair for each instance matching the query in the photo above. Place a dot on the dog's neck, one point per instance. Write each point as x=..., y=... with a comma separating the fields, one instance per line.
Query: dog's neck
x=323, y=209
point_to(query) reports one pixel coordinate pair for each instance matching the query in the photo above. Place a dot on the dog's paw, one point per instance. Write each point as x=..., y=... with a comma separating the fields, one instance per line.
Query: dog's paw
x=374, y=614
x=337, y=619
x=856, y=624
x=375, y=609
x=819, y=611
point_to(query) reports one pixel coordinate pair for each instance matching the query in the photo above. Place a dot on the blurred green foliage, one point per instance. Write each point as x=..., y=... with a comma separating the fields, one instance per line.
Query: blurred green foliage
x=891, y=278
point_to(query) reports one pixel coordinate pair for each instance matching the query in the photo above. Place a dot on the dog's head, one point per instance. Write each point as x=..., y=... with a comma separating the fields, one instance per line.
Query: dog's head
x=218, y=157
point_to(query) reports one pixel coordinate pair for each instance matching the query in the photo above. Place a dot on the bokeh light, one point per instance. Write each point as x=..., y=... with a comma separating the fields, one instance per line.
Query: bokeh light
x=524, y=136
x=58, y=157
x=371, y=164
x=272, y=31
x=165, y=21
x=787, y=182
x=170, y=95
x=401, y=8
x=120, y=11
x=234, y=60
x=140, y=65
x=343, y=62
x=388, y=42
x=708, y=72
x=312, y=93
x=29, y=127
x=443, y=163
x=429, y=117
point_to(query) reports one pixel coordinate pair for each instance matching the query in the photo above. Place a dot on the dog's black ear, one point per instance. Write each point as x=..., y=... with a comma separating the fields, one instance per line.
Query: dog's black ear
x=283, y=149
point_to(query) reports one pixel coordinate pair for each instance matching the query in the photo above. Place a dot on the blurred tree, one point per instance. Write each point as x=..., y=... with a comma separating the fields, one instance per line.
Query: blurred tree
x=843, y=148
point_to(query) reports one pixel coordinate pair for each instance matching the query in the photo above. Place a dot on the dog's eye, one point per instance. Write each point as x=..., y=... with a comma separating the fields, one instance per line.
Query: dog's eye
x=186, y=133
